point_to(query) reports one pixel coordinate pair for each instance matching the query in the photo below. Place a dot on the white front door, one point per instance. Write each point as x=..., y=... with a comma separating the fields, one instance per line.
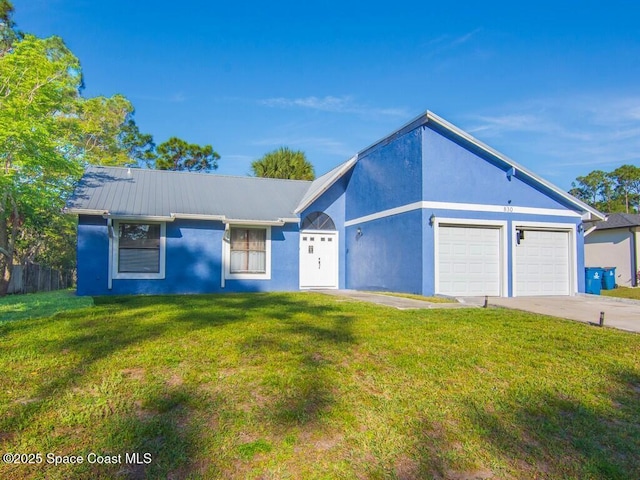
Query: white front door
x=318, y=259
x=542, y=263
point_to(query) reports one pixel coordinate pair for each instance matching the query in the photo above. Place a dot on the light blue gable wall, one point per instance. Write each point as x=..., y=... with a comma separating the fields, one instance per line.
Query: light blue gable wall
x=388, y=255
x=386, y=177
x=456, y=173
x=193, y=261
x=332, y=202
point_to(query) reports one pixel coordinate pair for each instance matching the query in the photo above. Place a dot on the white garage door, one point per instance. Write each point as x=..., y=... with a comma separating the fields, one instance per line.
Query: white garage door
x=468, y=261
x=542, y=263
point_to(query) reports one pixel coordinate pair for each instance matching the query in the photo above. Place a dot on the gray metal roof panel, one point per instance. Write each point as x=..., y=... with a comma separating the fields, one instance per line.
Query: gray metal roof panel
x=142, y=192
x=619, y=220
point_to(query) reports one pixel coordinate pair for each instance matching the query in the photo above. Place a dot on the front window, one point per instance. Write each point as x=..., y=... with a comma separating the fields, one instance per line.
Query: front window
x=139, y=250
x=248, y=250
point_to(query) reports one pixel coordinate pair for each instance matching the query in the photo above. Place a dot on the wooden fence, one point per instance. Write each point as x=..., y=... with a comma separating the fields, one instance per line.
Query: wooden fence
x=33, y=278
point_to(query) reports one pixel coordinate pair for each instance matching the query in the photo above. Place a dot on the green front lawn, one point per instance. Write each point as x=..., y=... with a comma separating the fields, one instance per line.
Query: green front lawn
x=34, y=305
x=307, y=386
x=623, y=292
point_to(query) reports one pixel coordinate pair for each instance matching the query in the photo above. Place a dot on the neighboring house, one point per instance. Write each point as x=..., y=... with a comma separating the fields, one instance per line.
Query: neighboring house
x=428, y=209
x=615, y=242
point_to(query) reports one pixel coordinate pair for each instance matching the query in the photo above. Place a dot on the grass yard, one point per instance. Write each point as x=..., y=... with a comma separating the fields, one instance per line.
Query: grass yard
x=623, y=292
x=307, y=386
x=418, y=297
x=34, y=305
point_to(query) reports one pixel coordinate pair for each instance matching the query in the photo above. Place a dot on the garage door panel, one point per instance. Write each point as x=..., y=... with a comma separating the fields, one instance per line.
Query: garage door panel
x=468, y=261
x=542, y=263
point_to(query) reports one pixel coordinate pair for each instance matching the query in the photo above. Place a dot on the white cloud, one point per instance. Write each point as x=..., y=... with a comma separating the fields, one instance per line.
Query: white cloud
x=498, y=124
x=344, y=104
x=564, y=137
x=446, y=43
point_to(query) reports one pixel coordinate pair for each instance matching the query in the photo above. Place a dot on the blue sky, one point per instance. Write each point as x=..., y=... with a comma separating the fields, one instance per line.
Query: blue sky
x=553, y=85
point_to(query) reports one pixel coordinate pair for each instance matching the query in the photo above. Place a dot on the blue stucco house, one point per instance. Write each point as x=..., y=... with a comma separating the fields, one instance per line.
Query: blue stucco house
x=428, y=209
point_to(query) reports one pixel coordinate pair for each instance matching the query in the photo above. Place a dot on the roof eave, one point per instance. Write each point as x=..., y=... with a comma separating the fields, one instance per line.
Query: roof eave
x=273, y=223
x=84, y=211
x=330, y=181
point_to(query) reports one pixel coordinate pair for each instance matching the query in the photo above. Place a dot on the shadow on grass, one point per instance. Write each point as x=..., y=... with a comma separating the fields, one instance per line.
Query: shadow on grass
x=162, y=425
x=548, y=436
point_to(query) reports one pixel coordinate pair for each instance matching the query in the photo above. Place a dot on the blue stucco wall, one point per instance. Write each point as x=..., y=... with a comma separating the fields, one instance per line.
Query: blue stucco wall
x=193, y=261
x=92, y=260
x=388, y=254
x=388, y=176
x=459, y=173
x=430, y=165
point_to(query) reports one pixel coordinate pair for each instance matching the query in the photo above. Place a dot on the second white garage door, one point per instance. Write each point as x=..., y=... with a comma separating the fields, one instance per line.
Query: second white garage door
x=468, y=261
x=542, y=263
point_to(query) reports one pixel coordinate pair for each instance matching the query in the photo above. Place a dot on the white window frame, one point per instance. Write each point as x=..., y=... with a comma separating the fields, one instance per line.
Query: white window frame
x=115, y=257
x=227, y=255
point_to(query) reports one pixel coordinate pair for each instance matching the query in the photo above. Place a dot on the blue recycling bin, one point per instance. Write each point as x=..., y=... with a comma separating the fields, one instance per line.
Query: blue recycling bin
x=609, y=278
x=593, y=282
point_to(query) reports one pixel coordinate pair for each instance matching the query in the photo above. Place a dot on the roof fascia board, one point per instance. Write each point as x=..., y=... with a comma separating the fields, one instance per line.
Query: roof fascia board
x=237, y=221
x=141, y=218
x=85, y=211
x=328, y=183
x=198, y=216
x=519, y=169
x=412, y=125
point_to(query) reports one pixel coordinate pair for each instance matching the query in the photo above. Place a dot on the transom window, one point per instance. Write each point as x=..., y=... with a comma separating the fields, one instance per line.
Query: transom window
x=318, y=221
x=248, y=250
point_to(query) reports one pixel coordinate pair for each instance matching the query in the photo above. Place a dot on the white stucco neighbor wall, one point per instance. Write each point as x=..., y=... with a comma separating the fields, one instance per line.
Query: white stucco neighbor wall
x=612, y=248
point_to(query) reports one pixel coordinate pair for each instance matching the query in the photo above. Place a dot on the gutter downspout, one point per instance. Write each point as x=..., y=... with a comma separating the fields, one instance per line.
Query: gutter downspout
x=110, y=259
x=636, y=255
x=223, y=266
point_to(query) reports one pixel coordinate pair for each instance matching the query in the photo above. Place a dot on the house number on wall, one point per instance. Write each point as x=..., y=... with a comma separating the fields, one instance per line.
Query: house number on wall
x=508, y=209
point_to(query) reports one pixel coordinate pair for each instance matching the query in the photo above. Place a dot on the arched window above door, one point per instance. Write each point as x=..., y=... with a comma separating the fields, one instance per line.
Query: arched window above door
x=318, y=221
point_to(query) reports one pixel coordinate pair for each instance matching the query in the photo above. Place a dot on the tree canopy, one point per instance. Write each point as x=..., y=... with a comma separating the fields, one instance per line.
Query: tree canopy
x=615, y=191
x=48, y=132
x=177, y=154
x=284, y=163
x=8, y=32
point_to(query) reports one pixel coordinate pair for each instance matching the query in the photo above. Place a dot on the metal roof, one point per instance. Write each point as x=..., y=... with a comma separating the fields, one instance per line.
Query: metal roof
x=619, y=220
x=144, y=193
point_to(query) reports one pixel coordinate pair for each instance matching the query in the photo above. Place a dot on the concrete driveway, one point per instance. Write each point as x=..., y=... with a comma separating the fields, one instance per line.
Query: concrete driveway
x=618, y=313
